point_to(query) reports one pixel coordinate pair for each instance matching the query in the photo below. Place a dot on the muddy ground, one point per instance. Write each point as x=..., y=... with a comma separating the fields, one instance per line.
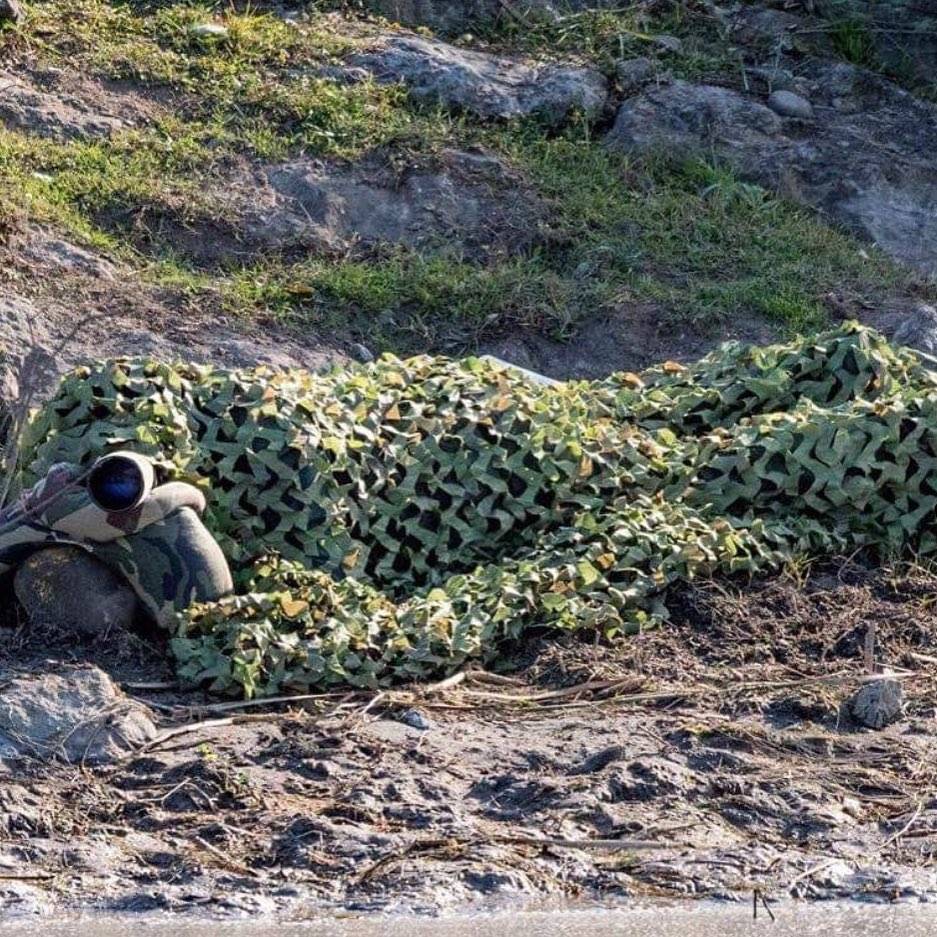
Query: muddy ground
x=709, y=759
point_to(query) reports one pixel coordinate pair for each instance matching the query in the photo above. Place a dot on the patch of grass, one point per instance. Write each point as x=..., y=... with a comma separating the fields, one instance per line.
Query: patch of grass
x=852, y=40
x=75, y=183
x=259, y=85
x=410, y=303
x=696, y=237
x=605, y=37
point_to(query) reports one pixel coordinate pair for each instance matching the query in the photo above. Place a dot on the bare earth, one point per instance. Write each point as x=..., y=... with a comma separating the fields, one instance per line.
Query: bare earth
x=710, y=759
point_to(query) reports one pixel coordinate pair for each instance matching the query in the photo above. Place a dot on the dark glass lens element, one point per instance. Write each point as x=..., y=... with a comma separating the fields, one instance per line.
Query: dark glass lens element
x=116, y=484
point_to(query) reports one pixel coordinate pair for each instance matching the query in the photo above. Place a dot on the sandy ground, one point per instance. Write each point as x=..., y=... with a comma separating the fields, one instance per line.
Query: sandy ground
x=711, y=759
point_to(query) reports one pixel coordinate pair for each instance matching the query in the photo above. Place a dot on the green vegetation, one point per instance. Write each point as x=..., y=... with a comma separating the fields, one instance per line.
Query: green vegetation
x=853, y=41
x=691, y=239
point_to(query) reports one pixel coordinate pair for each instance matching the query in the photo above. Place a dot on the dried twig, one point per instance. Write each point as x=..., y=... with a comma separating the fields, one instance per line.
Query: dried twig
x=226, y=861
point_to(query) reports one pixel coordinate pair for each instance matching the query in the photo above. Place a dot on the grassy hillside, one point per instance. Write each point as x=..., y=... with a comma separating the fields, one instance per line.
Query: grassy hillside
x=255, y=88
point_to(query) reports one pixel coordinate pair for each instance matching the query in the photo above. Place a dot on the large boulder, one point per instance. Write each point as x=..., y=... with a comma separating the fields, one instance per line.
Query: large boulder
x=867, y=160
x=75, y=715
x=488, y=86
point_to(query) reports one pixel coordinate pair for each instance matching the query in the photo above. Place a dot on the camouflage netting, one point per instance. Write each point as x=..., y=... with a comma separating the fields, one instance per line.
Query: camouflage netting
x=391, y=521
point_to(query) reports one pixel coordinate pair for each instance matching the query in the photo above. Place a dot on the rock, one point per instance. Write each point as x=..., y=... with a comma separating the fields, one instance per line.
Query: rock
x=469, y=202
x=633, y=73
x=600, y=759
x=49, y=249
x=208, y=31
x=415, y=719
x=669, y=44
x=918, y=329
x=68, y=590
x=66, y=108
x=27, y=365
x=77, y=715
x=361, y=352
x=681, y=116
x=843, y=164
x=877, y=703
x=788, y=104
x=485, y=85
x=765, y=26
x=509, y=350
x=10, y=11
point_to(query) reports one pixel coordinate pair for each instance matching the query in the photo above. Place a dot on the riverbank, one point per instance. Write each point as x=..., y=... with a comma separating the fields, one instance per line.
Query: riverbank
x=709, y=759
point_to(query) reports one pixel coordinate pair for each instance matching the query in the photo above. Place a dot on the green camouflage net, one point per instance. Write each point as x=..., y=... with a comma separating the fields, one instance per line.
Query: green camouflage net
x=390, y=522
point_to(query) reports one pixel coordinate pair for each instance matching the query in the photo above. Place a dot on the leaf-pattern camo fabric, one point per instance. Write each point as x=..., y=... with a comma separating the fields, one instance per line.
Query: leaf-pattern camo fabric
x=391, y=521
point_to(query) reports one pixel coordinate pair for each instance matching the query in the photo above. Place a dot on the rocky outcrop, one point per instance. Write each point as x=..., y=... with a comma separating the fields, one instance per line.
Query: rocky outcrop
x=866, y=159
x=487, y=86
x=40, y=341
x=468, y=202
x=42, y=105
x=76, y=715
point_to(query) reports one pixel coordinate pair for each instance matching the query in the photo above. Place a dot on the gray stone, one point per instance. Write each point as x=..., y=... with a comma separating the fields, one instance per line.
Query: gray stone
x=28, y=106
x=416, y=719
x=634, y=73
x=868, y=162
x=68, y=590
x=788, y=104
x=361, y=352
x=681, y=116
x=918, y=329
x=208, y=31
x=778, y=28
x=77, y=715
x=877, y=703
x=469, y=202
x=669, y=44
x=485, y=85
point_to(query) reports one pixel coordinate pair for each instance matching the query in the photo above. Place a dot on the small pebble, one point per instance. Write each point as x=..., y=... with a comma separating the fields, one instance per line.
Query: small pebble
x=788, y=104
x=208, y=31
x=878, y=703
x=669, y=43
x=415, y=719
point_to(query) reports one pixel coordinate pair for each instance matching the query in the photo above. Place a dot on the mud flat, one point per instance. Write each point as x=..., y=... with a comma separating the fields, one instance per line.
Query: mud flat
x=711, y=759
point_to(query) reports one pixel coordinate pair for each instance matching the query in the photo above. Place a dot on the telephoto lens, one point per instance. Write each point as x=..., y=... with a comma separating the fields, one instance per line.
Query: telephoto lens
x=121, y=481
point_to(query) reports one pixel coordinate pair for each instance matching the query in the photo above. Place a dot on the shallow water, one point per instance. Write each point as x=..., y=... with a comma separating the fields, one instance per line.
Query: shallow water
x=697, y=921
